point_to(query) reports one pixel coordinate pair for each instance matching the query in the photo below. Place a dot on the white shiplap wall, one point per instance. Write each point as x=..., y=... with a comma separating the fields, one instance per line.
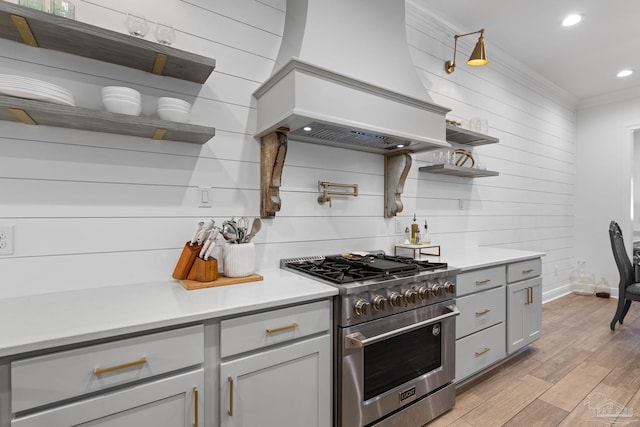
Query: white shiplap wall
x=94, y=210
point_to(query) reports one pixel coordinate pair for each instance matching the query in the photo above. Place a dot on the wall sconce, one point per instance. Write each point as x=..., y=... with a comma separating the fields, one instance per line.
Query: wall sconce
x=478, y=56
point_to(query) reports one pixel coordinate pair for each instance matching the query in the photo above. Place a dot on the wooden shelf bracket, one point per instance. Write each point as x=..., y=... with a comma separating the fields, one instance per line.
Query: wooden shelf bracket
x=273, y=151
x=396, y=169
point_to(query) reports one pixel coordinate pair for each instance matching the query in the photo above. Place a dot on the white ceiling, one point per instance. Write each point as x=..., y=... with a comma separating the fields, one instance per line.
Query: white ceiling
x=583, y=59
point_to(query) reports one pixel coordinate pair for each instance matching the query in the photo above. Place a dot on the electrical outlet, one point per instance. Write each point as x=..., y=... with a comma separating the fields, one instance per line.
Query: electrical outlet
x=398, y=226
x=6, y=240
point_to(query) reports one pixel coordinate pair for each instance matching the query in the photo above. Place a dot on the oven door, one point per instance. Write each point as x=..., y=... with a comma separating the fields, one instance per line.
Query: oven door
x=387, y=363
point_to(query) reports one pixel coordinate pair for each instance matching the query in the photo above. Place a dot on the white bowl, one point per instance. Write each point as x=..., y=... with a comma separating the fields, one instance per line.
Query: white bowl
x=122, y=106
x=173, y=115
x=174, y=103
x=122, y=97
x=120, y=90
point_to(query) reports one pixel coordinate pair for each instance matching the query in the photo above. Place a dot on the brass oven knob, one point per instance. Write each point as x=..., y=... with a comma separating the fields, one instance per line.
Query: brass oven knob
x=423, y=292
x=449, y=287
x=395, y=299
x=360, y=307
x=378, y=303
x=410, y=296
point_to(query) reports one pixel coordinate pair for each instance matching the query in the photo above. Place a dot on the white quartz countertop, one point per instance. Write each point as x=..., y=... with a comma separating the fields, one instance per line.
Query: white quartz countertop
x=50, y=320
x=481, y=257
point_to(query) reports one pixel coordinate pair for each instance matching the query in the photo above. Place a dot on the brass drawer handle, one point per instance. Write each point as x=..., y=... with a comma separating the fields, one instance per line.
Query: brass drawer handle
x=482, y=282
x=100, y=371
x=284, y=328
x=195, y=406
x=230, y=410
x=481, y=352
x=481, y=312
x=527, y=271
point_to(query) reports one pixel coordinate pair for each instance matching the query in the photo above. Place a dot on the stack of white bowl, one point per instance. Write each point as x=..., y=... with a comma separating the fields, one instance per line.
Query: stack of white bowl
x=173, y=109
x=123, y=100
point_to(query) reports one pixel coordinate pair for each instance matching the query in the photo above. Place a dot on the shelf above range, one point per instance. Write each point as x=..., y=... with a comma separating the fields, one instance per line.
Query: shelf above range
x=444, y=169
x=468, y=137
x=41, y=29
x=48, y=114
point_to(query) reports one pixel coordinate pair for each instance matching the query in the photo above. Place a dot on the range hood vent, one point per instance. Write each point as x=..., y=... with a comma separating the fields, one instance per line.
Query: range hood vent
x=344, y=71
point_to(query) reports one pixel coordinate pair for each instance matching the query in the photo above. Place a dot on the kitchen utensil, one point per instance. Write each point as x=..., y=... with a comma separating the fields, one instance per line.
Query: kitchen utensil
x=255, y=227
x=195, y=235
x=243, y=226
x=204, y=271
x=230, y=231
x=209, y=243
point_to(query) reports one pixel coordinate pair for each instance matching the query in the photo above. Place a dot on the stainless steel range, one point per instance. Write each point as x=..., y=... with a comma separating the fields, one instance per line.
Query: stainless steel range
x=394, y=330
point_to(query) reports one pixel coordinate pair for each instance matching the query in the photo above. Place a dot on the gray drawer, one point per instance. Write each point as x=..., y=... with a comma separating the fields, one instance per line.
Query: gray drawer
x=524, y=270
x=480, y=280
x=480, y=350
x=480, y=310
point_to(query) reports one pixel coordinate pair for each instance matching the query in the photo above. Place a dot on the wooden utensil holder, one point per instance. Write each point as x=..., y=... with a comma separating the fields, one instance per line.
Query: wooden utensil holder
x=204, y=271
x=185, y=262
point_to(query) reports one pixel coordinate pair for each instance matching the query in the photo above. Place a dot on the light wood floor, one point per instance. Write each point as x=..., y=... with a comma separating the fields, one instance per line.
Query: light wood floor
x=578, y=373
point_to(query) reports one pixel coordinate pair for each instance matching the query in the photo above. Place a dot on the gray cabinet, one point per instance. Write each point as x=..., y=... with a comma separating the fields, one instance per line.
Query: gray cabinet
x=480, y=328
x=524, y=308
x=276, y=368
x=155, y=379
x=500, y=312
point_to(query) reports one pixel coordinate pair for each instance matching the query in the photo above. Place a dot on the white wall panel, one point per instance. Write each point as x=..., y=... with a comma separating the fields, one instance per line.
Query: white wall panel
x=84, y=202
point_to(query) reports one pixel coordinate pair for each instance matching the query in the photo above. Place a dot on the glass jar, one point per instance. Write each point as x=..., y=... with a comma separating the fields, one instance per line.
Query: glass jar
x=582, y=281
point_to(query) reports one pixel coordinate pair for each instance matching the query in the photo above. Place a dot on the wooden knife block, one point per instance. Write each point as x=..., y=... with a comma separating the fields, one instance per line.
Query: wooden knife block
x=204, y=271
x=185, y=262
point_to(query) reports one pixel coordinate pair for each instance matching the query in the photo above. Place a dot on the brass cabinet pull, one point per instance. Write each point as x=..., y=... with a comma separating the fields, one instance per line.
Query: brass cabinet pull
x=481, y=352
x=284, y=328
x=481, y=312
x=526, y=271
x=230, y=411
x=195, y=406
x=100, y=371
x=529, y=295
x=482, y=282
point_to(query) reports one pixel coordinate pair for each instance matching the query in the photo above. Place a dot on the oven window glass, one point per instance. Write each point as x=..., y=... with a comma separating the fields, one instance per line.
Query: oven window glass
x=396, y=360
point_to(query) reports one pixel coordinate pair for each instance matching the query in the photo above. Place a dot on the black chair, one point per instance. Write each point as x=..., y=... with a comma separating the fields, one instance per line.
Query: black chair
x=629, y=290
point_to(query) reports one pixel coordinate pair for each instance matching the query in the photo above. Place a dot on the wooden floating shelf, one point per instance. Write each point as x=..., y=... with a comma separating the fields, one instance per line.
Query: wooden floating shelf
x=41, y=29
x=458, y=171
x=48, y=114
x=468, y=137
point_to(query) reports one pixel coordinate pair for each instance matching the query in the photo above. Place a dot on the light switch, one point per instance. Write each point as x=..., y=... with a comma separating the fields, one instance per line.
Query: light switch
x=204, y=198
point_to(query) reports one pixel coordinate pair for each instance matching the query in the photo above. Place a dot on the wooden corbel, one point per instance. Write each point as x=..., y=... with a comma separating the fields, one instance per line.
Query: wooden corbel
x=273, y=151
x=396, y=169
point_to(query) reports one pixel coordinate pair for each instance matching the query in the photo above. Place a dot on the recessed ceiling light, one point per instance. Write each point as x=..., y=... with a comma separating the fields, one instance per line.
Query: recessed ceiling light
x=624, y=73
x=571, y=20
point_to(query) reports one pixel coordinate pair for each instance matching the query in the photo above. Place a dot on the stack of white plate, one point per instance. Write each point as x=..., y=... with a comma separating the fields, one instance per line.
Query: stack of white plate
x=25, y=87
x=174, y=109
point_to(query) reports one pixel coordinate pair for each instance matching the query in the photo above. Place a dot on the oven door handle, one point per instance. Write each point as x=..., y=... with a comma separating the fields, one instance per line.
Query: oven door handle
x=358, y=340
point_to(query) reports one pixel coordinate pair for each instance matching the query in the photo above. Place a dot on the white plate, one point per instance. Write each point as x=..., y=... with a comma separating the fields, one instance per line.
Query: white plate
x=66, y=96
x=30, y=94
x=33, y=83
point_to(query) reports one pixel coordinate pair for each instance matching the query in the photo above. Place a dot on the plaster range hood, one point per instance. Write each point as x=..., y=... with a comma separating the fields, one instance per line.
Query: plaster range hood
x=344, y=77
